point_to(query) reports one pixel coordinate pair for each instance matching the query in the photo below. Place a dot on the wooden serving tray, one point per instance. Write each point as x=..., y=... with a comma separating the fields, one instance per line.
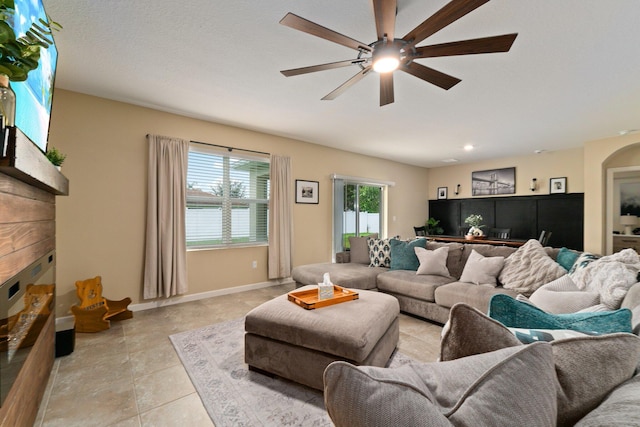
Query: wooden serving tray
x=308, y=299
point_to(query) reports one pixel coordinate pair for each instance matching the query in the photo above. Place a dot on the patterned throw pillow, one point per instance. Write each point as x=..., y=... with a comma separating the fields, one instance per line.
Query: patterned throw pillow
x=380, y=252
x=583, y=260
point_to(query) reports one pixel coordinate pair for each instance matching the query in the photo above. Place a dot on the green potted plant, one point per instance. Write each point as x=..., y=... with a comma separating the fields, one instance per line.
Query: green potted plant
x=55, y=156
x=432, y=227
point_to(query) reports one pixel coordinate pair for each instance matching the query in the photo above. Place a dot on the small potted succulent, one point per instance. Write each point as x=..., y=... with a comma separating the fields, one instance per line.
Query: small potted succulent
x=475, y=227
x=55, y=156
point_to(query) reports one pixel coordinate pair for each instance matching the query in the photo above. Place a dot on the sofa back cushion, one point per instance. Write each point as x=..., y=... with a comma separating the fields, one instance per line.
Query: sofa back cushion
x=455, y=264
x=360, y=248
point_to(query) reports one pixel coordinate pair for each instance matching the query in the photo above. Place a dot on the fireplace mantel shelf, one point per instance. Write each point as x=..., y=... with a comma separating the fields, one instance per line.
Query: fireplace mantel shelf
x=24, y=161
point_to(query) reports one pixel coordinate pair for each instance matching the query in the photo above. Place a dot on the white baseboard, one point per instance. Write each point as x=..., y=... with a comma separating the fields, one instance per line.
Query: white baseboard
x=195, y=297
x=204, y=295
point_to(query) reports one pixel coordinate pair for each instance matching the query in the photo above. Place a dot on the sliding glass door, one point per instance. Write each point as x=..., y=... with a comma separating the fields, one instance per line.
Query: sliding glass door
x=358, y=211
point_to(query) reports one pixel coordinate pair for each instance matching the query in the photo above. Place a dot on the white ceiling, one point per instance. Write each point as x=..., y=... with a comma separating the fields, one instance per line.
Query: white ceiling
x=572, y=75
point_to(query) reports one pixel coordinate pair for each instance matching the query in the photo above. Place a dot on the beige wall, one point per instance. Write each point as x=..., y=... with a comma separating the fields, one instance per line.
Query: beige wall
x=100, y=225
x=597, y=154
x=543, y=166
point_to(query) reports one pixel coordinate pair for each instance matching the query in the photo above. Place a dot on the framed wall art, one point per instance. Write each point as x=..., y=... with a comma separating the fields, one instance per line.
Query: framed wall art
x=558, y=185
x=307, y=191
x=493, y=182
x=442, y=193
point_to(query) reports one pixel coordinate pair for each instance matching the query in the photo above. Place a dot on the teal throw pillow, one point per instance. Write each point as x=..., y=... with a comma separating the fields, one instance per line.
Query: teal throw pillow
x=403, y=254
x=518, y=314
x=566, y=258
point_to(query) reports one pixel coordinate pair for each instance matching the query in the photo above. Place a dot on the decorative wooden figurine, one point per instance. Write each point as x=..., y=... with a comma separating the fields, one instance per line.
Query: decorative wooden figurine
x=95, y=312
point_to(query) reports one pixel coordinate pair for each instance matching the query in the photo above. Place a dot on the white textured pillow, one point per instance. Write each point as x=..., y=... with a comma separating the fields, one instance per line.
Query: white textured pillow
x=528, y=268
x=563, y=296
x=433, y=262
x=482, y=270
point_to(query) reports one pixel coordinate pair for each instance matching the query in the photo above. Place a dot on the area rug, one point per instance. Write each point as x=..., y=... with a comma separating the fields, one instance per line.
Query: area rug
x=213, y=357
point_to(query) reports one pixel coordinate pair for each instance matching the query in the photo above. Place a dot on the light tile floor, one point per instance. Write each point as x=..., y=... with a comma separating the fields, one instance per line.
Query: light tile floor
x=130, y=375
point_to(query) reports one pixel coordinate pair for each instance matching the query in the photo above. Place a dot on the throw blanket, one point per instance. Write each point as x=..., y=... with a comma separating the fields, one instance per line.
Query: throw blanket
x=611, y=276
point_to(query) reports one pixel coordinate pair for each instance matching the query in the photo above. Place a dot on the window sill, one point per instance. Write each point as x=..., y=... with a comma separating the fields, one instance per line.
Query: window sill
x=238, y=246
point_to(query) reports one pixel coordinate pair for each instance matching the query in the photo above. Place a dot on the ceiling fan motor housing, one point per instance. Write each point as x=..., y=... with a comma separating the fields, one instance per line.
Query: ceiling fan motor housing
x=388, y=56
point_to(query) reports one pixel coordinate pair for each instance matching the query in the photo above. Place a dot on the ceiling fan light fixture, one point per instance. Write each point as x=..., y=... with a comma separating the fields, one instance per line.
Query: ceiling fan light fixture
x=386, y=58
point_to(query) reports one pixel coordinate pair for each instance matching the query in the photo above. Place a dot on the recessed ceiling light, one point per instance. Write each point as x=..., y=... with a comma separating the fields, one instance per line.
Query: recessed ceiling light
x=452, y=160
x=468, y=147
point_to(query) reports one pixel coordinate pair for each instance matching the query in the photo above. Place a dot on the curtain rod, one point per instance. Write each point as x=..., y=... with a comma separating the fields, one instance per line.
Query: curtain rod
x=231, y=148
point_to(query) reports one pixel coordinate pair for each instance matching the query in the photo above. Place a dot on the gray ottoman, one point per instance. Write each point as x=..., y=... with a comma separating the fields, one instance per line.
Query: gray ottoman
x=284, y=339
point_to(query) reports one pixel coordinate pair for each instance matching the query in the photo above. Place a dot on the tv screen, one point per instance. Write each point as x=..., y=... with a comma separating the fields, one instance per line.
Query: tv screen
x=34, y=95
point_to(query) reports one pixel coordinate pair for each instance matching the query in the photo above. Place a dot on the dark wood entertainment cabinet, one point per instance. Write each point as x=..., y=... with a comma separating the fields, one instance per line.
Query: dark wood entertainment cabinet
x=28, y=186
x=526, y=216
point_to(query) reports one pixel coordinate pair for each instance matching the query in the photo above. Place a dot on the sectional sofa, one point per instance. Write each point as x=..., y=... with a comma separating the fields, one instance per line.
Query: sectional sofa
x=430, y=296
x=596, y=378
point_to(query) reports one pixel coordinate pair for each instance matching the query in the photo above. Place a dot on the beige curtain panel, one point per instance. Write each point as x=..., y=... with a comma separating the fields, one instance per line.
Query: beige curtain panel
x=165, y=267
x=280, y=217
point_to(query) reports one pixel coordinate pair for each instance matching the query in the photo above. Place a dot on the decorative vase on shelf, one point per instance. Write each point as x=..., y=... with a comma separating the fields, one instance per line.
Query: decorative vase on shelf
x=7, y=102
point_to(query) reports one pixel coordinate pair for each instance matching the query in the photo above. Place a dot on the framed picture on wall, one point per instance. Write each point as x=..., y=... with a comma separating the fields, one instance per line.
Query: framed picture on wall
x=307, y=191
x=442, y=193
x=493, y=182
x=558, y=185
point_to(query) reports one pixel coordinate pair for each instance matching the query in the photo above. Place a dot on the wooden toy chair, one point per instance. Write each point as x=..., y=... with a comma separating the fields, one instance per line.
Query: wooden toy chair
x=94, y=314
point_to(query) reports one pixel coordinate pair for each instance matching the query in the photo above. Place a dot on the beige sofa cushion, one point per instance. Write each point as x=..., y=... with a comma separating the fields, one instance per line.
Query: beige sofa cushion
x=405, y=282
x=433, y=262
x=359, y=248
x=477, y=296
x=347, y=275
x=481, y=270
x=455, y=262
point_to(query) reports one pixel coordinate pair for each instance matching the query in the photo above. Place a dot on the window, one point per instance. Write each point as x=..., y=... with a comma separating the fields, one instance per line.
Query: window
x=227, y=198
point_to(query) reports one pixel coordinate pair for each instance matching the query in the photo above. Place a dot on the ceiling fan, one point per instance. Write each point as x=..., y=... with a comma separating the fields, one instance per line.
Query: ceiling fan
x=388, y=53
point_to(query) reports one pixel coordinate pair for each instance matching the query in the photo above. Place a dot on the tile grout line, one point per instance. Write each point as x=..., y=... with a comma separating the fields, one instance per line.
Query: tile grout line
x=48, y=392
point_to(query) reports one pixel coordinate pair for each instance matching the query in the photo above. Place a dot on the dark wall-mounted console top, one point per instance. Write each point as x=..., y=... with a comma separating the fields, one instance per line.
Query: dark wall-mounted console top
x=526, y=216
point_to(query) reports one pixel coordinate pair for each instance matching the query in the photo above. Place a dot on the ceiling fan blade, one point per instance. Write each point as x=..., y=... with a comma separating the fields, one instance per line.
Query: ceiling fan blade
x=346, y=85
x=386, y=88
x=430, y=75
x=468, y=47
x=385, y=14
x=322, y=67
x=298, y=23
x=451, y=12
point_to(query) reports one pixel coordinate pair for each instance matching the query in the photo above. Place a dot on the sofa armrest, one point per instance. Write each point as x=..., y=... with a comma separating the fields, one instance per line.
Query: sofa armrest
x=343, y=257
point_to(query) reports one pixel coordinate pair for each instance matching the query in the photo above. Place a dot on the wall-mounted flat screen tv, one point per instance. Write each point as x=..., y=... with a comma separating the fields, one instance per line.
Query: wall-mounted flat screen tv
x=34, y=96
